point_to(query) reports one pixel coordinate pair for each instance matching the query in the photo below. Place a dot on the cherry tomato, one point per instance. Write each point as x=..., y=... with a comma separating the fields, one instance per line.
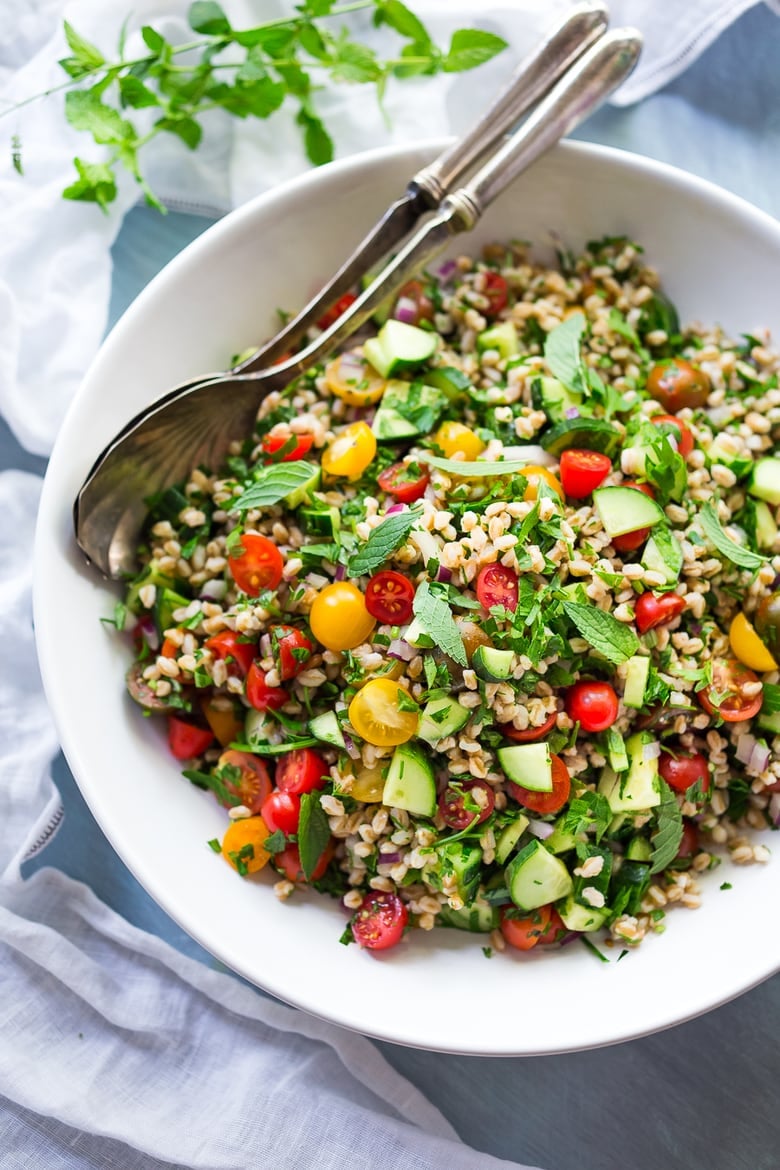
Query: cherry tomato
x=369, y=784
x=339, y=617
x=258, y=566
x=383, y=713
x=680, y=772
x=406, y=482
x=288, y=861
x=454, y=801
x=273, y=443
x=530, y=734
x=169, y=649
x=259, y=694
x=545, y=802
x=496, y=289
x=379, y=922
x=629, y=541
x=281, y=811
x=653, y=610
x=683, y=436
x=228, y=647
x=389, y=598
x=354, y=380
x=187, y=740
x=748, y=646
x=301, y=770
x=594, y=705
x=246, y=779
x=533, y=474
x=497, y=585
x=223, y=721
x=414, y=291
x=689, y=842
x=350, y=453
x=331, y=316
x=556, y=930
x=242, y=845
x=725, y=695
x=292, y=650
x=583, y=471
x=525, y=933
x=676, y=384
x=456, y=439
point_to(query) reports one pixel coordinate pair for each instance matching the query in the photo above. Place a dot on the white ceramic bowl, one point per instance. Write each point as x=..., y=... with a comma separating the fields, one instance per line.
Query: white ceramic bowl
x=719, y=259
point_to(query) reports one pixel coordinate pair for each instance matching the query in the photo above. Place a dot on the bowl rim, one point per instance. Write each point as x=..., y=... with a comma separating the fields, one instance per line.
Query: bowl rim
x=100, y=807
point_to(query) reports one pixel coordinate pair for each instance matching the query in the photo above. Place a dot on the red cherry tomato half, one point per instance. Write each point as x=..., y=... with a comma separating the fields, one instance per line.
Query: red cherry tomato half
x=545, y=802
x=630, y=541
x=594, y=705
x=556, y=930
x=379, y=922
x=292, y=650
x=583, y=471
x=689, y=842
x=683, y=435
x=228, y=647
x=187, y=740
x=289, y=863
x=496, y=289
x=389, y=598
x=250, y=784
x=281, y=811
x=497, y=585
x=725, y=695
x=301, y=770
x=273, y=443
x=258, y=565
x=680, y=772
x=653, y=610
x=525, y=933
x=406, y=482
x=455, y=800
x=260, y=695
x=335, y=311
x=530, y=734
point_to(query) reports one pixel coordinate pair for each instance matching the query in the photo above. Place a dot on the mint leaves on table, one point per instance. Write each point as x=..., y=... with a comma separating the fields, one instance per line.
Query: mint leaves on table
x=247, y=72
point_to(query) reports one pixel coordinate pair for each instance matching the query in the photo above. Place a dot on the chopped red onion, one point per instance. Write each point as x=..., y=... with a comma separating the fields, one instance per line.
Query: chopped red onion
x=745, y=746
x=444, y=574
x=651, y=751
x=572, y=412
x=406, y=311
x=401, y=650
x=569, y=938
x=349, y=744
x=759, y=758
x=341, y=572
x=774, y=808
x=395, y=508
x=146, y=629
x=214, y=590
x=351, y=365
x=540, y=829
x=446, y=270
x=390, y=858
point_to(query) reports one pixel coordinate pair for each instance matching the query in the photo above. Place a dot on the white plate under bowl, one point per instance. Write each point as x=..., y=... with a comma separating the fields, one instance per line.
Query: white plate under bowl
x=719, y=259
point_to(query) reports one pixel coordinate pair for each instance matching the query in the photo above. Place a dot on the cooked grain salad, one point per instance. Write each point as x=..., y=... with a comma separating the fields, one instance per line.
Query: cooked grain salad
x=479, y=628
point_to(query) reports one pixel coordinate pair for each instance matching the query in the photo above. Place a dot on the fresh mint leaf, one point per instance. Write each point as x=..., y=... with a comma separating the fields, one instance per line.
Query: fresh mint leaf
x=589, y=811
x=273, y=483
x=562, y=351
x=152, y=39
x=477, y=469
x=95, y=184
x=736, y=553
x=402, y=19
x=471, y=47
x=318, y=144
x=668, y=834
x=85, y=110
x=435, y=617
x=356, y=63
x=134, y=93
x=86, y=56
x=207, y=17
x=616, y=641
x=275, y=843
x=185, y=128
x=618, y=324
x=16, y=154
x=313, y=832
x=382, y=543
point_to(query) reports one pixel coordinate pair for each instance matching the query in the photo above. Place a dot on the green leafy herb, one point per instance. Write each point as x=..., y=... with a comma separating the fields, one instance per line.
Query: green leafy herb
x=589, y=811
x=119, y=617
x=562, y=351
x=618, y=324
x=594, y=950
x=275, y=843
x=726, y=886
x=668, y=834
x=273, y=483
x=383, y=542
x=313, y=832
x=477, y=469
x=713, y=530
x=275, y=749
x=214, y=845
x=605, y=633
x=435, y=617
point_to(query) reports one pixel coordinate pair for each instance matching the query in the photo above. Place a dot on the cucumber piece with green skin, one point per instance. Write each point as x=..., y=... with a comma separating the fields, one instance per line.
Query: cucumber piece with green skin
x=454, y=383
x=618, y=756
x=410, y=782
x=480, y=917
x=639, y=789
x=327, y=729
x=492, y=665
x=462, y=860
x=637, y=674
x=765, y=481
x=305, y=493
x=630, y=884
x=590, y=434
x=527, y=764
x=149, y=575
x=399, y=346
x=624, y=509
x=583, y=919
x=560, y=840
x=598, y=882
x=639, y=849
x=258, y=725
x=166, y=602
x=407, y=409
x=502, y=337
x=551, y=396
x=509, y=836
x=416, y=636
x=663, y=554
x=321, y=520
x=770, y=723
x=440, y=718
x=766, y=528
x=536, y=877
x=720, y=451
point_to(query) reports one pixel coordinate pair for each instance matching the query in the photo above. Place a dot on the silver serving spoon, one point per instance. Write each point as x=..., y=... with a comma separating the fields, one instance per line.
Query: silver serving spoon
x=195, y=423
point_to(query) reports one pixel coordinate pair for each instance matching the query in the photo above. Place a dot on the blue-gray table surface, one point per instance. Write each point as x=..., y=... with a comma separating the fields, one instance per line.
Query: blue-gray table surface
x=702, y=1096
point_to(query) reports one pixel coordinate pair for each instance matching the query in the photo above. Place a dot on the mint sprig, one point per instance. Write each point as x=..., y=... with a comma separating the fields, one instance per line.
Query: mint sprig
x=385, y=539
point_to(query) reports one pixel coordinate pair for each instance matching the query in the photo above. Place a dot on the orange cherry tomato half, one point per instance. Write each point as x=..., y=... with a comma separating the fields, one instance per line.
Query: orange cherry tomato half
x=257, y=566
x=187, y=740
x=682, y=433
x=725, y=695
x=583, y=471
x=389, y=598
x=525, y=933
x=246, y=778
x=529, y=734
x=545, y=802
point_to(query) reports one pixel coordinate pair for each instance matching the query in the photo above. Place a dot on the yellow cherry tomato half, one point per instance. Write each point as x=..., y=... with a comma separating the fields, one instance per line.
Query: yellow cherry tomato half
x=369, y=785
x=383, y=713
x=350, y=453
x=456, y=439
x=352, y=379
x=242, y=845
x=339, y=618
x=748, y=647
x=534, y=475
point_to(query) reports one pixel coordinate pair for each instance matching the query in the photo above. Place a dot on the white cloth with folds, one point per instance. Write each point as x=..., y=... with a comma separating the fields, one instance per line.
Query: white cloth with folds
x=115, y=1047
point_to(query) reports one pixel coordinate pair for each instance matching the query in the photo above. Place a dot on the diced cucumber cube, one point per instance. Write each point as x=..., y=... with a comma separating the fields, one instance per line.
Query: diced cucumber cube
x=637, y=674
x=765, y=481
x=440, y=718
x=399, y=346
x=410, y=783
x=528, y=764
x=535, y=877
